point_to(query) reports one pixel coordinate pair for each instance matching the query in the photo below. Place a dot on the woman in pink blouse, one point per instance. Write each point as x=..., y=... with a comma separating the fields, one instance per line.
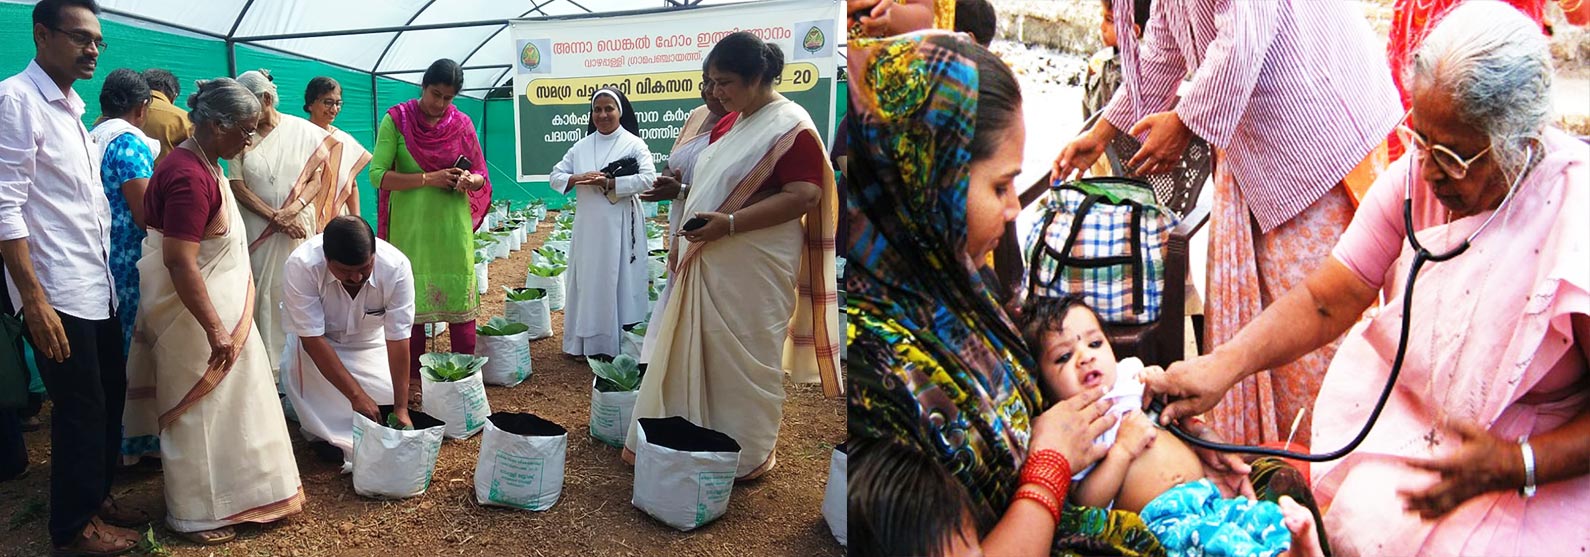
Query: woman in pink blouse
x=1481, y=449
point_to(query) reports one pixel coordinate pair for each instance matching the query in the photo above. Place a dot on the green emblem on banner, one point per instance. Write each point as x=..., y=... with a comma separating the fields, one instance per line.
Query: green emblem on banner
x=814, y=40
x=530, y=56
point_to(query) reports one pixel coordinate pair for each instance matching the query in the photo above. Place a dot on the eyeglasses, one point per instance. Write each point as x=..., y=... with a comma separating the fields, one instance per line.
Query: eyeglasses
x=82, y=39
x=331, y=103
x=250, y=135
x=1451, y=163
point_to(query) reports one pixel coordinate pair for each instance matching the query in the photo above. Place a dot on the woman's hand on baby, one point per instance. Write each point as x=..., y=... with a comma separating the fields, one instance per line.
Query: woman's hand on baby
x=1193, y=386
x=1136, y=435
x=1227, y=470
x=1071, y=426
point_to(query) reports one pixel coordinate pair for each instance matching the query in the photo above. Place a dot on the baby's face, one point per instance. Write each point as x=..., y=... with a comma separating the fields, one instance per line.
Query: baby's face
x=1078, y=357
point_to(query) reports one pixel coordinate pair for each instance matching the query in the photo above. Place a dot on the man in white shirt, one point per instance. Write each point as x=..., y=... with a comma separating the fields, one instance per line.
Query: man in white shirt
x=55, y=237
x=348, y=309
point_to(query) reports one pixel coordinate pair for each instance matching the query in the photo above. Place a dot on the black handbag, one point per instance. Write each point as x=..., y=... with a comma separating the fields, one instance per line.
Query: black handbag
x=13, y=366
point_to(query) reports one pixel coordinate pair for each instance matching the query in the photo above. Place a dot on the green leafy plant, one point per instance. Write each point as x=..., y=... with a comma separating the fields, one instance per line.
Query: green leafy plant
x=553, y=256
x=623, y=374
x=561, y=235
x=31, y=511
x=447, y=367
x=525, y=294
x=547, y=269
x=501, y=327
x=393, y=422
x=651, y=292
x=151, y=547
x=638, y=328
x=485, y=237
x=654, y=230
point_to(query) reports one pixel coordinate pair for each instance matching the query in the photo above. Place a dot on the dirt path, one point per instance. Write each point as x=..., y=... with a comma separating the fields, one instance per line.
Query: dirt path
x=776, y=515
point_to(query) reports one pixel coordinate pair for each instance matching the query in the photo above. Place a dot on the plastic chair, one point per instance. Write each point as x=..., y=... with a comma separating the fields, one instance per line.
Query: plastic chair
x=1164, y=341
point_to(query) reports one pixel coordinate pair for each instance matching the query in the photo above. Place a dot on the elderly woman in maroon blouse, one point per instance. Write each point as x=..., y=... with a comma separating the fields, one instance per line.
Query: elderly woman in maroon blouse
x=198, y=374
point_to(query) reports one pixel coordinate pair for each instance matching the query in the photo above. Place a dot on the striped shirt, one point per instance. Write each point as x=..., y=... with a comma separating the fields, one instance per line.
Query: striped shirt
x=1297, y=92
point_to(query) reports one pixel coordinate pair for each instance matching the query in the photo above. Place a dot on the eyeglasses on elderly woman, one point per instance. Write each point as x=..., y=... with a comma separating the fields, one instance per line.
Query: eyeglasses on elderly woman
x=1450, y=161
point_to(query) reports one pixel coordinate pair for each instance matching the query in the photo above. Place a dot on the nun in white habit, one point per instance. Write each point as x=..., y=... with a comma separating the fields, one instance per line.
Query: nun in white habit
x=606, y=279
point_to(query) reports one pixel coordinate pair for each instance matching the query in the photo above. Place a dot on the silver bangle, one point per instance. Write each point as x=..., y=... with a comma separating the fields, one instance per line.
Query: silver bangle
x=731, y=224
x=1529, y=467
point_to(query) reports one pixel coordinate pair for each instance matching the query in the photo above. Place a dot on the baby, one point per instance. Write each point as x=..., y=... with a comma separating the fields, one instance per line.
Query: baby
x=904, y=503
x=1157, y=476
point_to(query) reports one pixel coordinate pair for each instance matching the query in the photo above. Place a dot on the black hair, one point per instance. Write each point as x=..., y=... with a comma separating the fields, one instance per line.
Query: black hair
x=349, y=240
x=162, y=81
x=626, y=119
x=976, y=18
x=1045, y=314
x=998, y=98
x=1140, y=10
x=317, y=87
x=1140, y=13
x=124, y=90
x=903, y=502
x=48, y=12
x=746, y=55
x=444, y=72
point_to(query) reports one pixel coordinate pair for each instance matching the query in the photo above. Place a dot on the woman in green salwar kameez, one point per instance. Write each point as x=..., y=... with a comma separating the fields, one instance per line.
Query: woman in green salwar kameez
x=429, y=208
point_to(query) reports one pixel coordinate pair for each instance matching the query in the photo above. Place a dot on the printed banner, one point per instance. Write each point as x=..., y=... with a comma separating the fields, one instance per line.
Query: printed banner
x=655, y=59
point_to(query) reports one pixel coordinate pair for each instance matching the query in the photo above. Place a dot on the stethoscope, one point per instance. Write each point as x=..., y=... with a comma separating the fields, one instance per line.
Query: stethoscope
x=1421, y=255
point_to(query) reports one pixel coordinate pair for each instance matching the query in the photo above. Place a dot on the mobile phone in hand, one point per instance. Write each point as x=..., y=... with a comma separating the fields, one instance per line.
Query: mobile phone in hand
x=463, y=163
x=693, y=224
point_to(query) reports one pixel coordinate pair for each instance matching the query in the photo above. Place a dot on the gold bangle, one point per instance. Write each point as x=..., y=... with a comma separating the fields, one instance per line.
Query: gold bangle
x=1566, y=8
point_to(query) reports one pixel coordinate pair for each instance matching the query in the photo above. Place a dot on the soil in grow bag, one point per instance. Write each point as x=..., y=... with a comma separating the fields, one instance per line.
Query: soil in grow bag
x=679, y=434
x=529, y=425
x=420, y=419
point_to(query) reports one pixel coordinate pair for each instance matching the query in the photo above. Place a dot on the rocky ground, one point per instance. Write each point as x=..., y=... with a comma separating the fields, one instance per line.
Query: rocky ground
x=779, y=514
x=1048, y=41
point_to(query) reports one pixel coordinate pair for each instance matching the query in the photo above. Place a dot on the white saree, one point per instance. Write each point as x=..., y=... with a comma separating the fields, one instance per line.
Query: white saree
x=293, y=163
x=225, y=450
x=746, y=308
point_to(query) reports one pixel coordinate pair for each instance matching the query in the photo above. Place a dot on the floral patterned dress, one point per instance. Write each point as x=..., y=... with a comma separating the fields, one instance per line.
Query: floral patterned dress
x=127, y=158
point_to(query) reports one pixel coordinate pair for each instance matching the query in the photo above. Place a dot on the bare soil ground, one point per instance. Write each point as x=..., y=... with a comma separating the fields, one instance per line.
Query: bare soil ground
x=779, y=514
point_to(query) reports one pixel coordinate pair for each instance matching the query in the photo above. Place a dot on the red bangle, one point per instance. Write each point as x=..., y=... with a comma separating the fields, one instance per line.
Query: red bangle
x=1028, y=492
x=1049, y=469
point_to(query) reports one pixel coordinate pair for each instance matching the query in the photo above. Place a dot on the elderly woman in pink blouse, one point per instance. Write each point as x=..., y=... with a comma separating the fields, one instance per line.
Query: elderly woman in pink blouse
x=1482, y=448
x=1297, y=100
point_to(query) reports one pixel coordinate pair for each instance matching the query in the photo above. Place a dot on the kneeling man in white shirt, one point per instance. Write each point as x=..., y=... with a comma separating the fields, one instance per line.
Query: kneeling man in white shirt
x=348, y=307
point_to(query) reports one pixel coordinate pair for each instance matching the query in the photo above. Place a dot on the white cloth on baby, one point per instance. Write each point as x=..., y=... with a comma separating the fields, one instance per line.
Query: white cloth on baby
x=1124, y=396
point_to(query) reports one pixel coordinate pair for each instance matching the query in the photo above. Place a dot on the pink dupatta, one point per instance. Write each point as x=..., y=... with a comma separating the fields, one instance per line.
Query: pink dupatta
x=437, y=147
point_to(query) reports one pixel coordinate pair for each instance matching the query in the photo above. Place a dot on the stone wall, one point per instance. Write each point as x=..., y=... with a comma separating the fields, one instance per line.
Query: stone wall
x=1073, y=26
